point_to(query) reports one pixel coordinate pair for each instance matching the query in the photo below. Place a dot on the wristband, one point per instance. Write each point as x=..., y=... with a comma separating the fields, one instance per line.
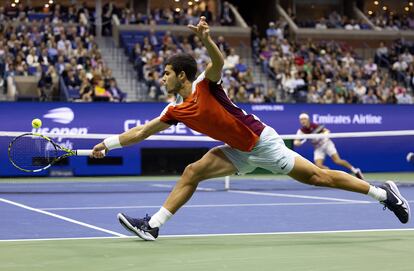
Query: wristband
x=112, y=142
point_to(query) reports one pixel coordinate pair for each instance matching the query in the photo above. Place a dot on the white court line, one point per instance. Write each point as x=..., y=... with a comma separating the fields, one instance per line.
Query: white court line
x=61, y=217
x=272, y=194
x=198, y=188
x=215, y=235
x=295, y=196
x=206, y=205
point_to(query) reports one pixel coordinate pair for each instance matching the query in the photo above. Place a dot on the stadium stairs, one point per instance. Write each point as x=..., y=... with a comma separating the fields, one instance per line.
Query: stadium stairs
x=122, y=69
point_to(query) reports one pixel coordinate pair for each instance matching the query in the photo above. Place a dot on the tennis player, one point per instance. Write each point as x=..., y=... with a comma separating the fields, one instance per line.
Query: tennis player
x=203, y=105
x=322, y=146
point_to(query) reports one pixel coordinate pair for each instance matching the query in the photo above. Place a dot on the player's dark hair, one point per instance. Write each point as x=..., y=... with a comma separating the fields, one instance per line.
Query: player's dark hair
x=183, y=63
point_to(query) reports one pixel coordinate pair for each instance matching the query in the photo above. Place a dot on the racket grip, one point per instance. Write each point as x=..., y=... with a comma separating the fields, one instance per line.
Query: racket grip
x=86, y=152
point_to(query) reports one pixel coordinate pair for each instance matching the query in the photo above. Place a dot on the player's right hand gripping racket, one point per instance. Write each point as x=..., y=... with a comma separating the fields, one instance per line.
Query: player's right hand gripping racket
x=32, y=152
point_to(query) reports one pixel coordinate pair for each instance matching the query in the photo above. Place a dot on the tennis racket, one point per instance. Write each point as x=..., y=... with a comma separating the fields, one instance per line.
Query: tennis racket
x=316, y=131
x=32, y=152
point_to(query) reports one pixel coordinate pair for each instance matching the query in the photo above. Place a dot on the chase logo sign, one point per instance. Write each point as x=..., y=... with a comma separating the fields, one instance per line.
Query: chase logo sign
x=63, y=115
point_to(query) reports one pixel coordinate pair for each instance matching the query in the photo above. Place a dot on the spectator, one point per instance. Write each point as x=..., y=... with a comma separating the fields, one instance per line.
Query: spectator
x=100, y=93
x=370, y=67
x=360, y=89
x=407, y=57
x=404, y=98
x=256, y=97
x=370, y=97
x=222, y=45
x=329, y=97
x=48, y=84
x=207, y=13
x=348, y=60
x=226, y=17
x=399, y=67
x=116, y=93
x=321, y=24
x=352, y=25
x=32, y=59
x=107, y=11
x=154, y=87
x=381, y=52
x=231, y=60
x=313, y=96
x=228, y=80
x=272, y=31
x=71, y=79
x=241, y=95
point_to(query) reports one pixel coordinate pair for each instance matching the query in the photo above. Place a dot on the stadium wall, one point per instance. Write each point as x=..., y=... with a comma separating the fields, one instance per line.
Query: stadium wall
x=375, y=154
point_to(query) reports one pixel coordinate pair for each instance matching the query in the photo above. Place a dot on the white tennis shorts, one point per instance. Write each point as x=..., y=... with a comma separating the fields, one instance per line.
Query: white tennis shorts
x=327, y=148
x=269, y=153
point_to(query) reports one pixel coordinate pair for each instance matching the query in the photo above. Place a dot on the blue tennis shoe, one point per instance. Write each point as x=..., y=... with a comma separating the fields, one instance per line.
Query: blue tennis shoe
x=139, y=227
x=396, y=202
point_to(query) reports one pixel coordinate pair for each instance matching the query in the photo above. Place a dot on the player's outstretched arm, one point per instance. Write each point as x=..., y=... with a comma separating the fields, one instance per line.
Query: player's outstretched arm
x=326, y=131
x=298, y=142
x=132, y=136
x=213, y=70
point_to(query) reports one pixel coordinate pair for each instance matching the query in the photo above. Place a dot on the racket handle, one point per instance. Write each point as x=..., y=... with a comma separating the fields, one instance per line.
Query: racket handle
x=86, y=152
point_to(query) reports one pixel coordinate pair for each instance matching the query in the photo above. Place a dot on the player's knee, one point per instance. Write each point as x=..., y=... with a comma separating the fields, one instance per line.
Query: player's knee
x=192, y=174
x=319, y=165
x=322, y=178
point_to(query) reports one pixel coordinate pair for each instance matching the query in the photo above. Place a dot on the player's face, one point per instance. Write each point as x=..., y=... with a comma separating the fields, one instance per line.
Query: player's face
x=304, y=122
x=170, y=80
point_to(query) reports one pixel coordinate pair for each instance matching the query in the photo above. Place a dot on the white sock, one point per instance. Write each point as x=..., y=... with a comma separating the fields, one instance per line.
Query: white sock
x=354, y=170
x=159, y=218
x=377, y=193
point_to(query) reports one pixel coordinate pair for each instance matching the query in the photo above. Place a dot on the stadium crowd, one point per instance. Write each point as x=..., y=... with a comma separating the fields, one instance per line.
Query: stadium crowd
x=178, y=16
x=392, y=21
x=330, y=72
x=52, y=48
x=62, y=45
x=150, y=55
x=332, y=21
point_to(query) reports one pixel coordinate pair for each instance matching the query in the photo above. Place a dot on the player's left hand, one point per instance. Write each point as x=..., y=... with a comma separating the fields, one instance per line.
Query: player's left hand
x=97, y=150
x=202, y=29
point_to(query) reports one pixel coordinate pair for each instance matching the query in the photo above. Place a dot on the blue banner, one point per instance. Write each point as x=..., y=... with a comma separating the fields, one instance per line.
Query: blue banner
x=371, y=154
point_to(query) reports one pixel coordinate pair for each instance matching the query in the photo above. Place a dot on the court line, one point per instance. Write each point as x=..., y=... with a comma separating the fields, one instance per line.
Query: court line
x=212, y=235
x=295, y=196
x=271, y=194
x=198, y=188
x=206, y=205
x=61, y=217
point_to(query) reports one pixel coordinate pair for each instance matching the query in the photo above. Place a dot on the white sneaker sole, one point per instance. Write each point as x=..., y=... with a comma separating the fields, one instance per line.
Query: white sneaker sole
x=397, y=191
x=140, y=233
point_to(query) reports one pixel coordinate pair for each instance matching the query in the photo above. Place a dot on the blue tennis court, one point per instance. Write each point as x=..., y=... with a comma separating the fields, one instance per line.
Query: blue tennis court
x=70, y=223
x=71, y=209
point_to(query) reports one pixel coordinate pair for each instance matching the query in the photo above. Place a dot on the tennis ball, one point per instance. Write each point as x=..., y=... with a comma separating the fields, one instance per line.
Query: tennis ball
x=36, y=123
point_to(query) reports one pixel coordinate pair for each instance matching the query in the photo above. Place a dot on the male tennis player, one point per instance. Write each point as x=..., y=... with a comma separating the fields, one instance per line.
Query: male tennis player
x=203, y=105
x=323, y=146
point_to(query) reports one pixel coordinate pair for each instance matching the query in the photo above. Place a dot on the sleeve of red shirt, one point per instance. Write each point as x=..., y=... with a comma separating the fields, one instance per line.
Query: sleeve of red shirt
x=168, y=116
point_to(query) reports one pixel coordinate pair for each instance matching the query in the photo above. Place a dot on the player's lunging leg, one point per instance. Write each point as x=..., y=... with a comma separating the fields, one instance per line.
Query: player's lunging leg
x=306, y=172
x=213, y=164
x=341, y=162
x=319, y=164
x=388, y=194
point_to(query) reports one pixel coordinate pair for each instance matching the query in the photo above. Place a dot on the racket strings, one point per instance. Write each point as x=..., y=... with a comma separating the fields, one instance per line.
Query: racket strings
x=32, y=152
